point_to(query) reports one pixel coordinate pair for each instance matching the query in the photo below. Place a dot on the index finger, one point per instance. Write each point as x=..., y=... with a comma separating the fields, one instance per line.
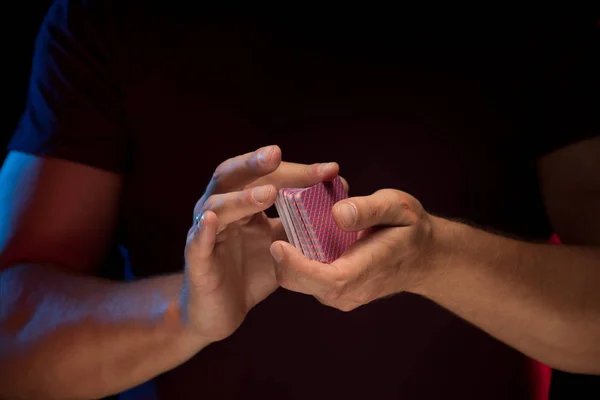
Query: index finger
x=293, y=175
x=236, y=173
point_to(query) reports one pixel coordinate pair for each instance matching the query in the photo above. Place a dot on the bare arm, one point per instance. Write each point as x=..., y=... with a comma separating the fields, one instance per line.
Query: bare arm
x=541, y=299
x=63, y=333
x=67, y=335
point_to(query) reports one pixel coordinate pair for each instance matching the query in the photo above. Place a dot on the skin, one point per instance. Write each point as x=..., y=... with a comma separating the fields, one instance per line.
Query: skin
x=532, y=296
x=126, y=333
x=541, y=299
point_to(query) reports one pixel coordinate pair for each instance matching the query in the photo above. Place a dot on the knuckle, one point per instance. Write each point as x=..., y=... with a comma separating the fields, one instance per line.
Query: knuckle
x=404, y=204
x=418, y=208
x=334, y=293
x=188, y=252
x=245, y=197
x=191, y=248
x=338, y=276
x=210, y=203
x=198, y=207
x=283, y=278
x=399, y=211
x=396, y=204
x=205, y=281
x=219, y=171
x=392, y=195
x=331, y=295
x=252, y=161
x=386, y=193
x=322, y=301
x=191, y=235
x=346, y=307
x=364, y=209
x=362, y=297
x=403, y=200
x=387, y=249
x=374, y=211
x=387, y=208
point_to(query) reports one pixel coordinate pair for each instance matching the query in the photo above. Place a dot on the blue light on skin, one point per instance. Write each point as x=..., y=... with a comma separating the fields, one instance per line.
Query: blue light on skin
x=17, y=178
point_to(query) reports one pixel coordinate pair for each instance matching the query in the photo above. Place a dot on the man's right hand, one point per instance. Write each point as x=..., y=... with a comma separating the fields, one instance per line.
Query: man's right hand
x=229, y=268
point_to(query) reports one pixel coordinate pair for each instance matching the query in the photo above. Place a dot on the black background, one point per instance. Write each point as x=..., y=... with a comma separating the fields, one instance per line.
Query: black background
x=21, y=20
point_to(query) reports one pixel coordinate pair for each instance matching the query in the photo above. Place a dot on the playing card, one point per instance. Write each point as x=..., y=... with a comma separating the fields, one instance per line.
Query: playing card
x=308, y=222
x=292, y=222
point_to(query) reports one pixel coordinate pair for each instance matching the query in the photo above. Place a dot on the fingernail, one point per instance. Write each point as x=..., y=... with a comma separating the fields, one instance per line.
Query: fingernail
x=347, y=214
x=200, y=220
x=264, y=156
x=261, y=193
x=277, y=252
x=324, y=168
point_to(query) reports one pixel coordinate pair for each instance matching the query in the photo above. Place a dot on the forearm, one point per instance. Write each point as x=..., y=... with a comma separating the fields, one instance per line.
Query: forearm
x=70, y=336
x=544, y=300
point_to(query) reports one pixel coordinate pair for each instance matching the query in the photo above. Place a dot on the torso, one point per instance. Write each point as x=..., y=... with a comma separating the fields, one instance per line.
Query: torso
x=204, y=92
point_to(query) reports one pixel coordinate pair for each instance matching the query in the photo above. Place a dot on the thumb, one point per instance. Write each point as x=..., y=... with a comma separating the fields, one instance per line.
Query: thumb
x=386, y=207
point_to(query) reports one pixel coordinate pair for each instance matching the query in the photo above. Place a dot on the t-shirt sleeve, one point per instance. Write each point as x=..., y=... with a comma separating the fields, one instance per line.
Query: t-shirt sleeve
x=561, y=104
x=74, y=108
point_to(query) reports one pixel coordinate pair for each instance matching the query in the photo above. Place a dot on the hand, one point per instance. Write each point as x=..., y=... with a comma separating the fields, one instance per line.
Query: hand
x=395, y=252
x=228, y=265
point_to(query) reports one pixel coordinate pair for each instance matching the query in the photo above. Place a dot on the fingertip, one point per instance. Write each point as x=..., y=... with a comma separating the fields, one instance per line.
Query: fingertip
x=272, y=192
x=208, y=221
x=276, y=155
x=329, y=171
x=345, y=215
x=210, y=217
x=271, y=197
x=268, y=158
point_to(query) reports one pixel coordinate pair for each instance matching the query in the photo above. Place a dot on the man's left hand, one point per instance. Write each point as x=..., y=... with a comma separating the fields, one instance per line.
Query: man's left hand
x=397, y=251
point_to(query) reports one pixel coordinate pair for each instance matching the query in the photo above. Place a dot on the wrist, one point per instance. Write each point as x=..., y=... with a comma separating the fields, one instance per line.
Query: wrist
x=176, y=320
x=184, y=324
x=446, y=248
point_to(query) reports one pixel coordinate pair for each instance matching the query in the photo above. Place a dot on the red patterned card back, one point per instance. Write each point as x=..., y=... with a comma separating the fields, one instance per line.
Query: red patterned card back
x=315, y=205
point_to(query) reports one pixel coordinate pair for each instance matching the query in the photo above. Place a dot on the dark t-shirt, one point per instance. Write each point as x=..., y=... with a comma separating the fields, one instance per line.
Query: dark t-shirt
x=453, y=110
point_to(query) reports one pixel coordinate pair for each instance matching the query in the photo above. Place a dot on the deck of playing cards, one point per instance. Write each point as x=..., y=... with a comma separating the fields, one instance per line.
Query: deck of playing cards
x=308, y=222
